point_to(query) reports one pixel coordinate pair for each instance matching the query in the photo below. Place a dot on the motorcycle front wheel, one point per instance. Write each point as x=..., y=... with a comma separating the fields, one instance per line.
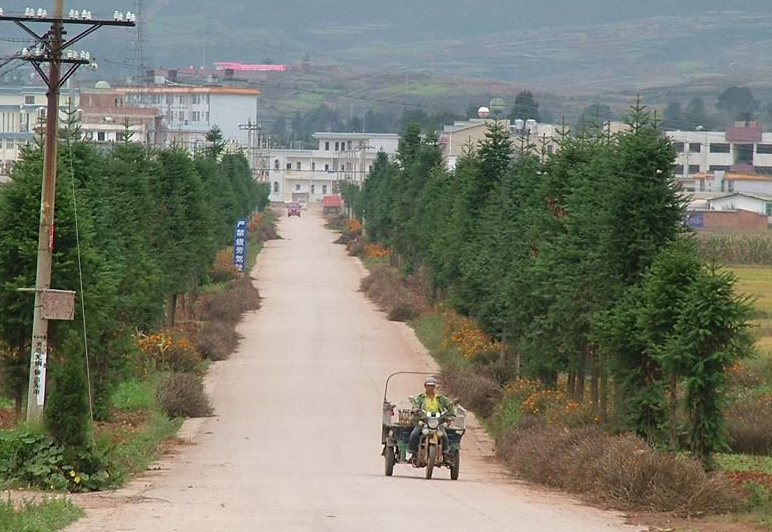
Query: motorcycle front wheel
x=455, y=465
x=432, y=460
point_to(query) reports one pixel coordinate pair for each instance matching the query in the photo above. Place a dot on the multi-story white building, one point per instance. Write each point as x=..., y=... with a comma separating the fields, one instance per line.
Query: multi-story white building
x=736, y=160
x=190, y=112
x=311, y=174
x=21, y=111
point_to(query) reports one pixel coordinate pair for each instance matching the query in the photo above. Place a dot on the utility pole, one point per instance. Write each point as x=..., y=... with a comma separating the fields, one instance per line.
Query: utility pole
x=52, y=48
x=253, y=134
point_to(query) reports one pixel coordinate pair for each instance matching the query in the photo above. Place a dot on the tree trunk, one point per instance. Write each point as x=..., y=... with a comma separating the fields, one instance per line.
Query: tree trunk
x=673, y=424
x=603, y=394
x=571, y=383
x=172, y=312
x=581, y=375
x=595, y=379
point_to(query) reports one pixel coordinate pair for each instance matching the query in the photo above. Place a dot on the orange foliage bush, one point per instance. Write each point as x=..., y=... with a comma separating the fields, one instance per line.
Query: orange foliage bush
x=376, y=251
x=464, y=335
x=223, y=269
x=353, y=227
x=167, y=350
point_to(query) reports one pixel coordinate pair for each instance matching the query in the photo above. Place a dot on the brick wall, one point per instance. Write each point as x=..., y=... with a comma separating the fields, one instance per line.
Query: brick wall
x=734, y=221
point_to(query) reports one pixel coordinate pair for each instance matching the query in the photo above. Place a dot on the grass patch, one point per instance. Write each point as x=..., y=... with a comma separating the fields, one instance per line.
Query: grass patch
x=31, y=516
x=5, y=403
x=133, y=455
x=428, y=328
x=134, y=395
x=743, y=463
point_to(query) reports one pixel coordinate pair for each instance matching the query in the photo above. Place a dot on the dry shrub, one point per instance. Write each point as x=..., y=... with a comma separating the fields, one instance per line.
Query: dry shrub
x=167, y=350
x=223, y=269
x=336, y=222
x=749, y=420
x=386, y=288
x=182, y=395
x=240, y=296
x=474, y=390
x=621, y=471
x=216, y=340
x=356, y=248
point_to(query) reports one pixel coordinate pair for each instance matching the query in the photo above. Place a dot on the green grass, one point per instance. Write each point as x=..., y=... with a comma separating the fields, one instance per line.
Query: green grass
x=428, y=329
x=369, y=262
x=134, y=395
x=744, y=463
x=5, y=403
x=756, y=281
x=30, y=516
x=134, y=455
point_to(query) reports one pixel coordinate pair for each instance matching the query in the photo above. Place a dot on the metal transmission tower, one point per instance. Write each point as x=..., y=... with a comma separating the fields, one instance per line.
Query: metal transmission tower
x=51, y=47
x=141, y=35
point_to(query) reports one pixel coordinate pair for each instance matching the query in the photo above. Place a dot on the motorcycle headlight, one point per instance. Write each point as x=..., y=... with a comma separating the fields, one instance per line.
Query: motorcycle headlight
x=425, y=432
x=433, y=423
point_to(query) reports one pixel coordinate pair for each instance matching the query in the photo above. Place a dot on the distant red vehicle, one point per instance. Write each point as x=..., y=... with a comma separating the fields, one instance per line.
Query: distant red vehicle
x=332, y=204
x=293, y=209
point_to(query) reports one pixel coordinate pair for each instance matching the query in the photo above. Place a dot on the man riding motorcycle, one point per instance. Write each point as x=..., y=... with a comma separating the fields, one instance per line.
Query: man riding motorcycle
x=433, y=403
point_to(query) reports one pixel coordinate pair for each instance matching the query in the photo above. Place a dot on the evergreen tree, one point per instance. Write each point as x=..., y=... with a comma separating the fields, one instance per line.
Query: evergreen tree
x=67, y=415
x=525, y=107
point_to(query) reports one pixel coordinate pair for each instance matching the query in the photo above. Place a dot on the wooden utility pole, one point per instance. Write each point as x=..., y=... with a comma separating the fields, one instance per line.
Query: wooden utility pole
x=50, y=48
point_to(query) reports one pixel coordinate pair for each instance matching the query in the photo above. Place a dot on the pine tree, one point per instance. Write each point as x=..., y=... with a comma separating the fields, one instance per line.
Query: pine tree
x=67, y=415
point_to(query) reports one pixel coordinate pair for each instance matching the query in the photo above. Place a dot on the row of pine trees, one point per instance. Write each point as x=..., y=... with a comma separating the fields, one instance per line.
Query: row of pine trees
x=579, y=263
x=149, y=223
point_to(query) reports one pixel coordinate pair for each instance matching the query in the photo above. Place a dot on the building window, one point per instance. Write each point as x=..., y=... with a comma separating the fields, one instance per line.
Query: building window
x=207, y=117
x=766, y=170
x=182, y=116
x=289, y=166
x=297, y=187
x=298, y=165
x=29, y=100
x=679, y=147
x=337, y=146
x=764, y=148
x=719, y=168
x=679, y=169
x=276, y=164
x=695, y=147
x=702, y=185
x=169, y=99
x=313, y=167
x=313, y=189
x=324, y=189
x=326, y=167
x=694, y=168
x=196, y=99
x=768, y=208
x=119, y=102
x=101, y=136
x=275, y=187
x=327, y=146
x=719, y=147
x=195, y=116
x=730, y=186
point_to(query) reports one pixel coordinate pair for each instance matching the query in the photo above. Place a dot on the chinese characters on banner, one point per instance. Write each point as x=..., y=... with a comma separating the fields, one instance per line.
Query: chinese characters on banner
x=240, y=244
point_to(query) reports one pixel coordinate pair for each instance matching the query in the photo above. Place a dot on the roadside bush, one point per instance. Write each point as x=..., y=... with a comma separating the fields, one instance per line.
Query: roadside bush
x=404, y=310
x=168, y=350
x=182, y=395
x=385, y=287
x=356, y=248
x=749, y=420
x=474, y=390
x=240, y=296
x=621, y=471
x=223, y=269
x=216, y=340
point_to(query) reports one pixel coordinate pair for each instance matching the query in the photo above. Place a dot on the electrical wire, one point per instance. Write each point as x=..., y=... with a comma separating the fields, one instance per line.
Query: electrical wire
x=80, y=279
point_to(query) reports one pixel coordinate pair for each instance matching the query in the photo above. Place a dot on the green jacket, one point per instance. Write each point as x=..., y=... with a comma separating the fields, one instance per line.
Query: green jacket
x=446, y=405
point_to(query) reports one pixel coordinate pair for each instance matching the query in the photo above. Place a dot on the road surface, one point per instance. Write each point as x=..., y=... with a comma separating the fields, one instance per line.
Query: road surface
x=295, y=442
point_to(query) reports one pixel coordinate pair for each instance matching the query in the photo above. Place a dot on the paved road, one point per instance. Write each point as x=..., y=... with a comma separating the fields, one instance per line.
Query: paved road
x=294, y=446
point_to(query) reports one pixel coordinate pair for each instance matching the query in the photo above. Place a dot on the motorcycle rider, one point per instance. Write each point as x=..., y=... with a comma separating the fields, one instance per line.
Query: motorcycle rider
x=431, y=402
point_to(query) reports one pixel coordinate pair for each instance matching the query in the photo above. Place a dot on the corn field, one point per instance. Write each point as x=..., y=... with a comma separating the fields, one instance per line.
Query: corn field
x=737, y=249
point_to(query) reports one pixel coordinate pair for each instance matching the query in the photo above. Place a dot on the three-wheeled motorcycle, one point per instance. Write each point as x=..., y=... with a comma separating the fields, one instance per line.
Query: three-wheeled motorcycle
x=400, y=420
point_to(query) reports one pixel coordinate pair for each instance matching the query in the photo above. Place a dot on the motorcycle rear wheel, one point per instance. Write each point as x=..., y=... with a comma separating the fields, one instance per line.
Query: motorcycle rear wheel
x=431, y=461
x=388, y=456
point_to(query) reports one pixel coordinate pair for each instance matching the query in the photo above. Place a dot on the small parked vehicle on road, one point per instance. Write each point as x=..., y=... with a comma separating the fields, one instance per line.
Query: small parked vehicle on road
x=395, y=435
x=293, y=209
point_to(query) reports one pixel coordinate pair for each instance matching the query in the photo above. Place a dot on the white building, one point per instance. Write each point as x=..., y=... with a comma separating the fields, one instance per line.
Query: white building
x=311, y=174
x=190, y=112
x=738, y=159
x=21, y=110
x=741, y=201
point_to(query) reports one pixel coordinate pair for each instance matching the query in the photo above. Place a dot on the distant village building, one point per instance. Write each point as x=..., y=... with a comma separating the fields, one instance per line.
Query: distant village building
x=736, y=160
x=308, y=175
x=21, y=111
